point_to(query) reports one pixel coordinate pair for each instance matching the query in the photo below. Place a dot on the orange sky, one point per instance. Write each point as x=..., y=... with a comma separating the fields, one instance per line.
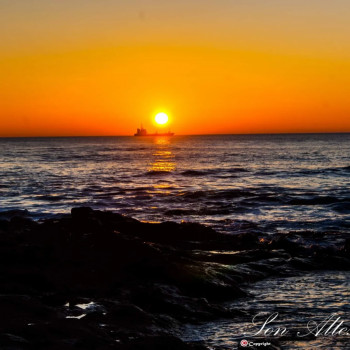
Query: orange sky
x=102, y=68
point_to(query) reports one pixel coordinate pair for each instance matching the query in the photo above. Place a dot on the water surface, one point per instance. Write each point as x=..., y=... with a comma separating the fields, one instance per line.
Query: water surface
x=299, y=181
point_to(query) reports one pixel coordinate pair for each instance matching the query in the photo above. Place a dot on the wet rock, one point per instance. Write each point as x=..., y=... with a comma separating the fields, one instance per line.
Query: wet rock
x=346, y=248
x=4, y=225
x=100, y=280
x=22, y=310
x=283, y=242
x=9, y=214
x=303, y=264
x=12, y=342
x=165, y=299
x=81, y=213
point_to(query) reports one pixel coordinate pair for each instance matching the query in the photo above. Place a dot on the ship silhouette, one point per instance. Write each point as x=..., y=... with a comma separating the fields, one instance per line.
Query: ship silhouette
x=143, y=132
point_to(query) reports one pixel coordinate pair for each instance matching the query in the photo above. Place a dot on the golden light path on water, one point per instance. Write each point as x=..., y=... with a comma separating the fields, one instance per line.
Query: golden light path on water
x=163, y=160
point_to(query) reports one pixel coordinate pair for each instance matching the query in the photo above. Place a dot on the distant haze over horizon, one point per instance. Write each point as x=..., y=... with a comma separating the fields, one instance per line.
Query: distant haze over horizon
x=82, y=68
x=180, y=135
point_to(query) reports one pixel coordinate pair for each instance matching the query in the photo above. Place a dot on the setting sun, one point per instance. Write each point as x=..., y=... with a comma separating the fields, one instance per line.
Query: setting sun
x=161, y=118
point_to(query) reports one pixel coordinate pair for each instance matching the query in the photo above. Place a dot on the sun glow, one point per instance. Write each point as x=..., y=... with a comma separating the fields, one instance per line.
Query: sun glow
x=161, y=118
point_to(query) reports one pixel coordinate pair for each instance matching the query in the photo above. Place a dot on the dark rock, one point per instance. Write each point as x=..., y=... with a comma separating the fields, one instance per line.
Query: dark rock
x=283, y=242
x=9, y=214
x=4, y=225
x=81, y=213
x=346, y=248
x=144, y=279
x=11, y=341
x=303, y=264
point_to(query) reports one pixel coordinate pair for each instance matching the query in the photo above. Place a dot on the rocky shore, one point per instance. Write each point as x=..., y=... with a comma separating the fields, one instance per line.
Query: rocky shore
x=100, y=280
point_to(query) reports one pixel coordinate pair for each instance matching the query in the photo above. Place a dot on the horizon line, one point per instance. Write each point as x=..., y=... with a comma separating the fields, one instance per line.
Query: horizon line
x=213, y=134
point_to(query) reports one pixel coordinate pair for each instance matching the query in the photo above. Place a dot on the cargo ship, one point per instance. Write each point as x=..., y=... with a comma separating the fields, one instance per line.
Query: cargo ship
x=143, y=132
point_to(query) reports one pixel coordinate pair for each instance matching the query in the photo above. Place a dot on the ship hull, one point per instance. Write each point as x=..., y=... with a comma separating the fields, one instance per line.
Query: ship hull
x=164, y=134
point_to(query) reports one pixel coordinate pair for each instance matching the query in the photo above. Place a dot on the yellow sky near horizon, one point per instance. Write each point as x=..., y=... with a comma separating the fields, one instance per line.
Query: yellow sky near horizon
x=102, y=68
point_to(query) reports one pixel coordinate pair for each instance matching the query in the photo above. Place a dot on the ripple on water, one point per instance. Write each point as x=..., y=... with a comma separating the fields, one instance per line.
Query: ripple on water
x=297, y=300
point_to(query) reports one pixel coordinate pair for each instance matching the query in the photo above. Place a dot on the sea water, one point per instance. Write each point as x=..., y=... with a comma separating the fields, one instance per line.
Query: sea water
x=286, y=181
x=269, y=184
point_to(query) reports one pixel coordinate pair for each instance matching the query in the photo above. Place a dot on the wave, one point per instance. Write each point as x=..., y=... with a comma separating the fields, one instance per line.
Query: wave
x=342, y=208
x=254, y=197
x=238, y=170
x=132, y=149
x=220, y=172
x=196, y=172
x=317, y=200
x=303, y=172
x=141, y=189
x=157, y=173
x=193, y=194
x=50, y=198
x=220, y=194
x=324, y=170
x=234, y=193
x=200, y=212
x=179, y=212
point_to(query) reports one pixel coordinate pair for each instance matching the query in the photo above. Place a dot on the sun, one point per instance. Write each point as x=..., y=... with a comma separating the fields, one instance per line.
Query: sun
x=161, y=118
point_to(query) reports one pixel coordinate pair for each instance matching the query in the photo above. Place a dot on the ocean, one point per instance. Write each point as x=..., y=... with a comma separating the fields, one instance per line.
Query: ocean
x=230, y=182
x=292, y=185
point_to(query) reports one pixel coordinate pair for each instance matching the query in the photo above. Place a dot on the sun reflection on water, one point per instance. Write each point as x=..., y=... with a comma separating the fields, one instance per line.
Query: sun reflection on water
x=163, y=160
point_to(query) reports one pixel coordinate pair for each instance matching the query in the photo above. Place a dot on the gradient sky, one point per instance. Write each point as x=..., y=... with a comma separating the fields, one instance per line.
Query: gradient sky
x=83, y=67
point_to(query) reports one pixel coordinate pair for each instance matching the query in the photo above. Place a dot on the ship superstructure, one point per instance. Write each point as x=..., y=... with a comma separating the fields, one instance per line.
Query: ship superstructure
x=143, y=132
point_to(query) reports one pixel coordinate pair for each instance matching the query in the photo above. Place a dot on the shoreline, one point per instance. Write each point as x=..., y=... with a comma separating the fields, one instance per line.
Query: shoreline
x=100, y=280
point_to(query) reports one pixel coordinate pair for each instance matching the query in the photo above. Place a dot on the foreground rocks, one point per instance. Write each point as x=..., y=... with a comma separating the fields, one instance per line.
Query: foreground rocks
x=100, y=280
